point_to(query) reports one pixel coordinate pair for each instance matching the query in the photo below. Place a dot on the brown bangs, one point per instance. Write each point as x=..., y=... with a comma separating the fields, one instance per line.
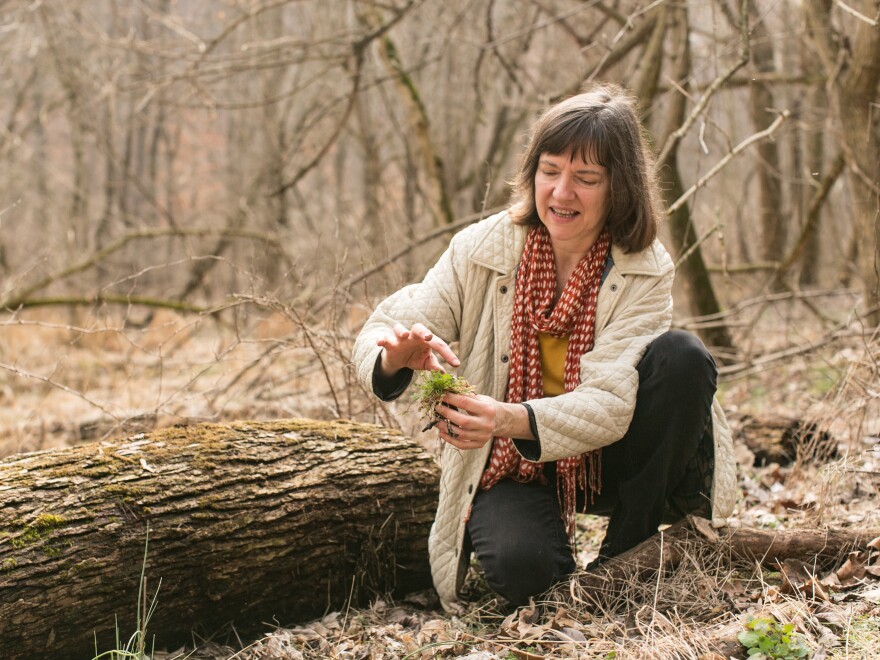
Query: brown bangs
x=583, y=135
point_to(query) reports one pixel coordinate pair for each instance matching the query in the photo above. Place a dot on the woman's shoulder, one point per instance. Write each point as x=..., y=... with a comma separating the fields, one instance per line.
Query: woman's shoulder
x=653, y=260
x=496, y=224
x=494, y=242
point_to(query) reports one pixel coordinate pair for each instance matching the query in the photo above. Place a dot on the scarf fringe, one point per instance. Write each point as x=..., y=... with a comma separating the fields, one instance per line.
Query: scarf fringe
x=585, y=475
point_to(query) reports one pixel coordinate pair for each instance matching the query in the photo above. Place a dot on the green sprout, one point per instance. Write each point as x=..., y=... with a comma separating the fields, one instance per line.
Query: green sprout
x=430, y=389
x=765, y=638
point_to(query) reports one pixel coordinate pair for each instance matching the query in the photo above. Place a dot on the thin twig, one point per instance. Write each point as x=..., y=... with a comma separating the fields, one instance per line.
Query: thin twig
x=767, y=132
x=61, y=386
x=112, y=299
x=693, y=248
x=760, y=300
x=849, y=10
x=751, y=365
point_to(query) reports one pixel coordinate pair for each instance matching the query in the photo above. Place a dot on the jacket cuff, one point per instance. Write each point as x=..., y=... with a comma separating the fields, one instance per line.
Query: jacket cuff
x=389, y=389
x=529, y=449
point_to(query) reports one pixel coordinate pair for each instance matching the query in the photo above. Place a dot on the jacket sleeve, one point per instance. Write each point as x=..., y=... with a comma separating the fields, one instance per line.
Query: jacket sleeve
x=435, y=302
x=599, y=411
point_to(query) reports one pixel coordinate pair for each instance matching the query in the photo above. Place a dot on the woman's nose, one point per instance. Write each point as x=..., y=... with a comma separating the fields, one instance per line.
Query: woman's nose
x=564, y=189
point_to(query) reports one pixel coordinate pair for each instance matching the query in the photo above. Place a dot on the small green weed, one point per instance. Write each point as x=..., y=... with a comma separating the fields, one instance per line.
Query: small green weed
x=431, y=387
x=765, y=638
x=136, y=647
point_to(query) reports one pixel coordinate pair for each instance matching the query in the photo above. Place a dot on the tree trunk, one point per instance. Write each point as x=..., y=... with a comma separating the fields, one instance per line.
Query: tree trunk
x=815, y=147
x=248, y=523
x=852, y=60
x=774, y=227
x=693, y=271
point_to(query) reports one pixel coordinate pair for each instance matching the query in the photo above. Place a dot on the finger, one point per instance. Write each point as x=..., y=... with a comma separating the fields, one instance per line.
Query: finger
x=451, y=430
x=467, y=402
x=420, y=331
x=386, y=342
x=462, y=443
x=460, y=420
x=445, y=352
x=400, y=331
x=432, y=364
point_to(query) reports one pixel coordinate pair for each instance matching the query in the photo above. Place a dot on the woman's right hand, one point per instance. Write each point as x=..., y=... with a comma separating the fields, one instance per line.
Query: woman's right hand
x=414, y=348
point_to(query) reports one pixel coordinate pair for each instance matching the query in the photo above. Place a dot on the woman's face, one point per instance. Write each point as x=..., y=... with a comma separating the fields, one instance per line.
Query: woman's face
x=571, y=196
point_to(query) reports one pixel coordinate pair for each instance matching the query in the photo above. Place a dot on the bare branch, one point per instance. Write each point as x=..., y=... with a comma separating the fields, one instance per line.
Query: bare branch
x=97, y=257
x=719, y=82
x=760, y=135
x=112, y=299
x=849, y=10
x=813, y=212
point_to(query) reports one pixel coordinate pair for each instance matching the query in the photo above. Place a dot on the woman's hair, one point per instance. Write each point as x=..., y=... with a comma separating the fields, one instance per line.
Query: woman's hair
x=601, y=126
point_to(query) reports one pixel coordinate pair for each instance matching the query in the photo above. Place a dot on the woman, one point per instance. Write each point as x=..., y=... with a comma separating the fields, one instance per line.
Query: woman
x=561, y=307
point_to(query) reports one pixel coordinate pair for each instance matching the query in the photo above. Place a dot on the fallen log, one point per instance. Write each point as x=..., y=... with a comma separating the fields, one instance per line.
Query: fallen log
x=771, y=548
x=249, y=523
x=782, y=440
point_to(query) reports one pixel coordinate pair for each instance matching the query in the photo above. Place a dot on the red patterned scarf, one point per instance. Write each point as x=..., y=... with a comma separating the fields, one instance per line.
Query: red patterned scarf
x=534, y=312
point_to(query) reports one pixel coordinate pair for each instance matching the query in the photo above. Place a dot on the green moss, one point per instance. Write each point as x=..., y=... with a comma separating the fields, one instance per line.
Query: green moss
x=41, y=528
x=47, y=521
x=8, y=564
x=431, y=387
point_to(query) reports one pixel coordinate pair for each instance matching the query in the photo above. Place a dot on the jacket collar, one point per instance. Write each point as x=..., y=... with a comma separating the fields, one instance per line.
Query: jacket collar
x=500, y=249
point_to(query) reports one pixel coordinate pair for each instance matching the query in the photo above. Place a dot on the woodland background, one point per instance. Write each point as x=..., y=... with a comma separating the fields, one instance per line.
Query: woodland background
x=202, y=200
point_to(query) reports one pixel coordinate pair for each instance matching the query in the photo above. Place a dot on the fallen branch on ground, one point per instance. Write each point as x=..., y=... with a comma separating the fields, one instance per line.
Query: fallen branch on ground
x=664, y=550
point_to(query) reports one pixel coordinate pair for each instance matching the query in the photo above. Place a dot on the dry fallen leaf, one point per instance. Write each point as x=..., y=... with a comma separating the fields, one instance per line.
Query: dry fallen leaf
x=798, y=578
x=852, y=570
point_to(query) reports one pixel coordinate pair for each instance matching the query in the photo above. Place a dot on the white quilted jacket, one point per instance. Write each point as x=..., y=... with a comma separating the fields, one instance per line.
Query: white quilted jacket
x=467, y=297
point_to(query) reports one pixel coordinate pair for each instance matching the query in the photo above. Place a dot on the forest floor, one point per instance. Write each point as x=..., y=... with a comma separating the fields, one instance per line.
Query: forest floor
x=71, y=380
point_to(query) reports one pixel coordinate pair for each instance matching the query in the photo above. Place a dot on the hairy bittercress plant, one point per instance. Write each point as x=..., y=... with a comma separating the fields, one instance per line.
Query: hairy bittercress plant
x=430, y=389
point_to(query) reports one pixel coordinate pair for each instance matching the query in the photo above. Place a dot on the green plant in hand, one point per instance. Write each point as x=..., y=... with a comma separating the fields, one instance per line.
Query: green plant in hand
x=430, y=389
x=765, y=638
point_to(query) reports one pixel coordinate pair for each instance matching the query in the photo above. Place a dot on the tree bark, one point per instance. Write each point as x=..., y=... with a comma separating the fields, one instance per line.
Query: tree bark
x=248, y=523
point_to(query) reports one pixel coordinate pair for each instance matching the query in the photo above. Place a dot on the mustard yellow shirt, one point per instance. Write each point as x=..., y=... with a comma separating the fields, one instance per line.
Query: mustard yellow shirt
x=553, y=351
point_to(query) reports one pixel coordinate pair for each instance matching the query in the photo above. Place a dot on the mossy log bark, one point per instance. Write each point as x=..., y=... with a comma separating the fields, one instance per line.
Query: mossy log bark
x=249, y=523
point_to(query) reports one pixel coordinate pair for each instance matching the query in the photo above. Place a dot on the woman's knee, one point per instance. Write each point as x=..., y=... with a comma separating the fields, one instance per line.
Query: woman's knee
x=681, y=356
x=524, y=569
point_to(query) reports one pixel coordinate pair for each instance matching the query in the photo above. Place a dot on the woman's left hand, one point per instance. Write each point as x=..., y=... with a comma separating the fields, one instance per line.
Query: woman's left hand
x=479, y=418
x=472, y=425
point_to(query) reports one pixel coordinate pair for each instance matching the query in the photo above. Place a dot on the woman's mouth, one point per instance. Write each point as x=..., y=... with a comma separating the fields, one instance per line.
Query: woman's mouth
x=563, y=213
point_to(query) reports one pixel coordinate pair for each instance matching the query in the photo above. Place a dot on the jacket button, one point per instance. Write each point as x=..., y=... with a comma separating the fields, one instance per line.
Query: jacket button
x=470, y=488
x=503, y=288
x=613, y=287
x=504, y=359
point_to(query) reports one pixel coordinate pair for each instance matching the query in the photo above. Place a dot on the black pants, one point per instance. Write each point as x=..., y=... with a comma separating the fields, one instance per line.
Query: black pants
x=517, y=531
